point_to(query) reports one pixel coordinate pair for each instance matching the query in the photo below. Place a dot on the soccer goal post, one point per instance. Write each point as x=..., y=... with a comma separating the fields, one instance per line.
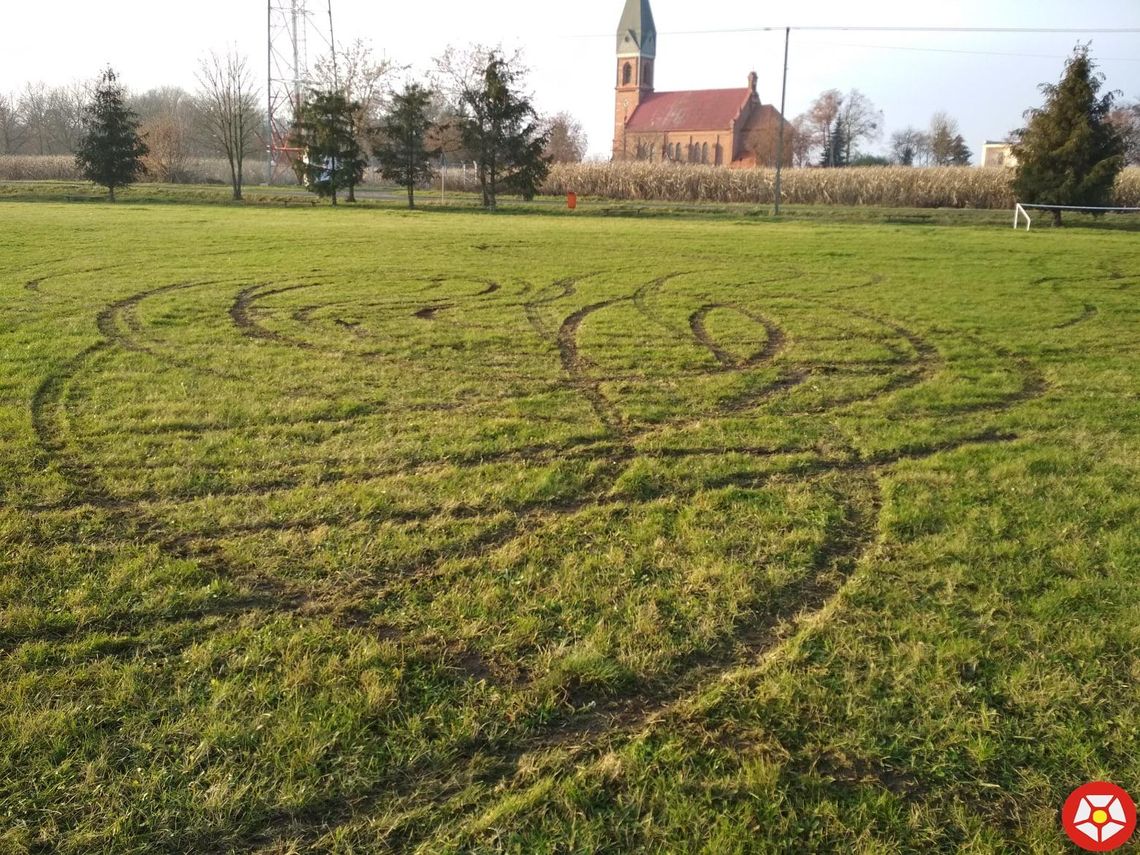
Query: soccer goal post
x=1022, y=211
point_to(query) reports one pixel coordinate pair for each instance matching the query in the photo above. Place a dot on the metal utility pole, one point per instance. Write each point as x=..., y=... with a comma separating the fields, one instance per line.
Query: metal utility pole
x=290, y=26
x=783, y=122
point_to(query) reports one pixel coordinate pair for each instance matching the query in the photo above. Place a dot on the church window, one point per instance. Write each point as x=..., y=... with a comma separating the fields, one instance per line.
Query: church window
x=705, y=153
x=626, y=74
x=647, y=74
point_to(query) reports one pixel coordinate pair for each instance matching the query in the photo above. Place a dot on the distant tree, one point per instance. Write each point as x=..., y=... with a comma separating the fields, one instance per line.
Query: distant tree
x=801, y=141
x=401, y=146
x=500, y=127
x=11, y=131
x=960, y=154
x=947, y=145
x=860, y=121
x=835, y=154
x=1126, y=120
x=869, y=160
x=161, y=101
x=166, y=139
x=65, y=111
x=1070, y=154
x=821, y=119
x=110, y=151
x=362, y=78
x=566, y=141
x=165, y=117
x=764, y=143
x=331, y=157
x=906, y=146
x=227, y=114
x=359, y=75
x=35, y=118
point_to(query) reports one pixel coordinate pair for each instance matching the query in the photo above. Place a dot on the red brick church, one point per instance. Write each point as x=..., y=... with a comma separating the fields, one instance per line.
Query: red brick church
x=713, y=126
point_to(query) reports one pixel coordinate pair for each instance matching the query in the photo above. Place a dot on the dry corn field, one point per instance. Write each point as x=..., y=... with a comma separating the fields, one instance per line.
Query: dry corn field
x=891, y=186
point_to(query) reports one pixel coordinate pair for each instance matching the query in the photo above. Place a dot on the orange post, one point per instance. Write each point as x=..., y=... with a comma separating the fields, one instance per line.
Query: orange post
x=572, y=201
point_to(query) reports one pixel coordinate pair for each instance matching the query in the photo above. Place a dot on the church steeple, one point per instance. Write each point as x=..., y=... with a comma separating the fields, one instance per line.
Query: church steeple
x=637, y=34
x=636, y=52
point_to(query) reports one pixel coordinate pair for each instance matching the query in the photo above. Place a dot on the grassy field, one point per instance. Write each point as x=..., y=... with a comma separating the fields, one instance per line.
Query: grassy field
x=365, y=531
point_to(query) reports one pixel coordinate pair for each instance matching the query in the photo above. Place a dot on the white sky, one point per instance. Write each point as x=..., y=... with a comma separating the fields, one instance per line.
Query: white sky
x=570, y=48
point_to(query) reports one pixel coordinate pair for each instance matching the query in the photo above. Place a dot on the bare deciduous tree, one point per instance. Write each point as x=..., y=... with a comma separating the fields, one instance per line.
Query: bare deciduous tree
x=909, y=147
x=65, y=108
x=167, y=120
x=227, y=110
x=860, y=120
x=165, y=136
x=801, y=141
x=363, y=80
x=11, y=131
x=34, y=116
x=566, y=141
x=821, y=118
x=1126, y=120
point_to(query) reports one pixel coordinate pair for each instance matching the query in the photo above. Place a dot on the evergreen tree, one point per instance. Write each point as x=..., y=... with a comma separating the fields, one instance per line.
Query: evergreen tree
x=835, y=150
x=402, y=149
x=1070, y=154
x=110, y=150
x=960, y=154
x=503, y=134
x=331, y=155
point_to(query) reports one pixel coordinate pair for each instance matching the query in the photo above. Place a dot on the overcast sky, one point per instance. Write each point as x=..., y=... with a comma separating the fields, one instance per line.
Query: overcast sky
x=985, y=80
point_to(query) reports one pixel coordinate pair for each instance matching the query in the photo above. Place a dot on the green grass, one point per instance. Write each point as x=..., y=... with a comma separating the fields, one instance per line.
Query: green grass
x=367, y=531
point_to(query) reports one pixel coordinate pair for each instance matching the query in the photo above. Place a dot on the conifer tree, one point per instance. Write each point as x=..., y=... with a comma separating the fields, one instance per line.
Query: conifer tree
x=835, y=149
x=110, y=150
x=402, y=149
x=500, y=127
x=331, y=156
x=1070, y=154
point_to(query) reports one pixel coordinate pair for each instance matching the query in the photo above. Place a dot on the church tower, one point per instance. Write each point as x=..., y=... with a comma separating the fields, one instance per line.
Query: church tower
x=636, y=52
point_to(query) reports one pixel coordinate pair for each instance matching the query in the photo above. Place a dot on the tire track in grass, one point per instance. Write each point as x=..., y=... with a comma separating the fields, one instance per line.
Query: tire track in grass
x=585, y=732
x=242, y=315
x=608, y=724
x=1089, y=311
x=844, y=545
x=126, y=520
x=119, y=324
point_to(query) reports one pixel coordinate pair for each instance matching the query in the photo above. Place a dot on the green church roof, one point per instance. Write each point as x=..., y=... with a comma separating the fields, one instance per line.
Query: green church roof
x=637, y=32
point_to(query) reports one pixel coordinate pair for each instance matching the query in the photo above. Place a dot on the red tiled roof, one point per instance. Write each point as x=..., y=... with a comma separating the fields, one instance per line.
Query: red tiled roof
x=695, y=110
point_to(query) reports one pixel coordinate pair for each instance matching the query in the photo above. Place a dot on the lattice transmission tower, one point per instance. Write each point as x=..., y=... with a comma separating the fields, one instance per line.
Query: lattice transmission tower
x=293, y=28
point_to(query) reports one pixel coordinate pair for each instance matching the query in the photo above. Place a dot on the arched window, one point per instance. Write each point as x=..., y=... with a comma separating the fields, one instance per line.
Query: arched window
x=647, y=74
x=705, y=153
x=626, y=74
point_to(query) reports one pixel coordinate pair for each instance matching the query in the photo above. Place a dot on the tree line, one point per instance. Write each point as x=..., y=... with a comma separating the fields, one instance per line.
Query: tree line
x=837, y=129
x=1070, y=152
x=224, y=117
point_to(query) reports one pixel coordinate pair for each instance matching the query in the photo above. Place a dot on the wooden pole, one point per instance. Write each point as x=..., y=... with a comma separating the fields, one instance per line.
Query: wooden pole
x=783, y=121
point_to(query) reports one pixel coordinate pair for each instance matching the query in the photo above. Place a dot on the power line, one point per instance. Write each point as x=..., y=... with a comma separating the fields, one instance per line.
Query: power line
x=890, y=29
x=971, y=52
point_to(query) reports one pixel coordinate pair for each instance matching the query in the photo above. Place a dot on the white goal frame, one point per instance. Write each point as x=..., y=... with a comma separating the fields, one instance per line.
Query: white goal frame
x=1020, y=211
